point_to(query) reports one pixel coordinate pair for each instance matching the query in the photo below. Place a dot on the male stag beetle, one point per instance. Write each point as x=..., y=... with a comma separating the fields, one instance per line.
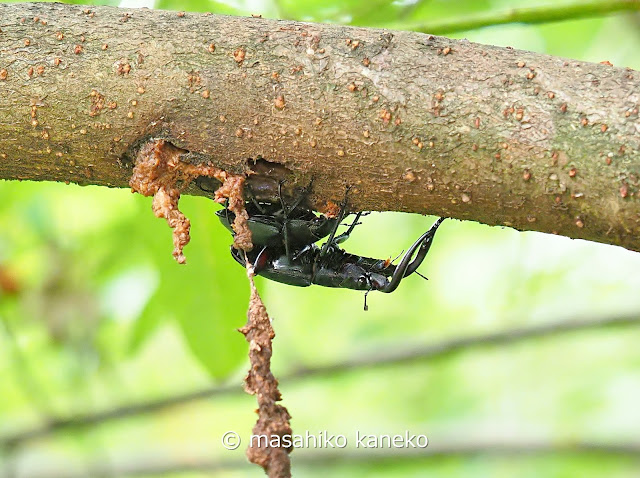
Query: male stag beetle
x=334, y=267
x=285, y=251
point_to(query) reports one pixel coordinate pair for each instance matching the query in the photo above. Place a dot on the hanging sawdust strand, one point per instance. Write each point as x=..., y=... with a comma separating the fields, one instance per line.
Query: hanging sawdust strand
x=160, y=173
x=273, y=419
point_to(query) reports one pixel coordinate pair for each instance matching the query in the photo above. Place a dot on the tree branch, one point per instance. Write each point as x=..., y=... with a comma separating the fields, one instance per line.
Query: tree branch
x=397, y=355
x=413, y=122
x=532, y=16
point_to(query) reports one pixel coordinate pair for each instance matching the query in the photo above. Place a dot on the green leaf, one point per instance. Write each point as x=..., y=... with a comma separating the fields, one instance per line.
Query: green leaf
x=208, y=296
x=198, y=6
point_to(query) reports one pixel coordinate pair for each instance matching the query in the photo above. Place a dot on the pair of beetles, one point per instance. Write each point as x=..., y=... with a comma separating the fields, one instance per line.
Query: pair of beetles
x=284, y=238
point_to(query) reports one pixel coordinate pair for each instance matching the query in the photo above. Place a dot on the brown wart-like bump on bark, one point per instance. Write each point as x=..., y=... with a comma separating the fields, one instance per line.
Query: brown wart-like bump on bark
x=273, y=419
x=123, y=68
x=160, y=173
x=97, y=103
x=624, y=191
x=239, y=55
x=409, y=176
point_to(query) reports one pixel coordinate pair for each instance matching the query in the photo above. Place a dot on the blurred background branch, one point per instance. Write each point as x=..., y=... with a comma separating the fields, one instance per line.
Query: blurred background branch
x=152, y=467
x=393, y=356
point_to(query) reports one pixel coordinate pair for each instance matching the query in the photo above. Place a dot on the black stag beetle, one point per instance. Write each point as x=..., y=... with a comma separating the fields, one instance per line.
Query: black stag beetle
x=274, y=225
x=334, y=267
x=285, y=250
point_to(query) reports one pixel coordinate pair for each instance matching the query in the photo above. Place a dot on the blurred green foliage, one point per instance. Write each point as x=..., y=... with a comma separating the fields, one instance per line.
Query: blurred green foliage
x=95, y=313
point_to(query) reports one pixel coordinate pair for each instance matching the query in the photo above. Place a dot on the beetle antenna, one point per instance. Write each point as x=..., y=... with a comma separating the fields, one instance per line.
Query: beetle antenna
x=396, y=258
x=366, y=307
x=425, y=278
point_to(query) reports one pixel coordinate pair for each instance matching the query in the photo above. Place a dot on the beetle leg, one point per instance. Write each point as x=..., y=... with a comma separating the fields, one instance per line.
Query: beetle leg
x=260, y=261
x=253, y=199
x=302, y=252
x=284, y=206
x=287, y=209
x=406, y=266
x=226, y=214
x=303, y=194
x=285, y=224
x=345, y=235
x=331, y=241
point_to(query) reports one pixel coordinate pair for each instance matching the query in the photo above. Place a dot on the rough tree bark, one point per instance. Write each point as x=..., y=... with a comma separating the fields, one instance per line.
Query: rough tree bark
x=414, y=122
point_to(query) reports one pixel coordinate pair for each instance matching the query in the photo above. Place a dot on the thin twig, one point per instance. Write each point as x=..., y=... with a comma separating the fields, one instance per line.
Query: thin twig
x=379, y=358
x=531, y=16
